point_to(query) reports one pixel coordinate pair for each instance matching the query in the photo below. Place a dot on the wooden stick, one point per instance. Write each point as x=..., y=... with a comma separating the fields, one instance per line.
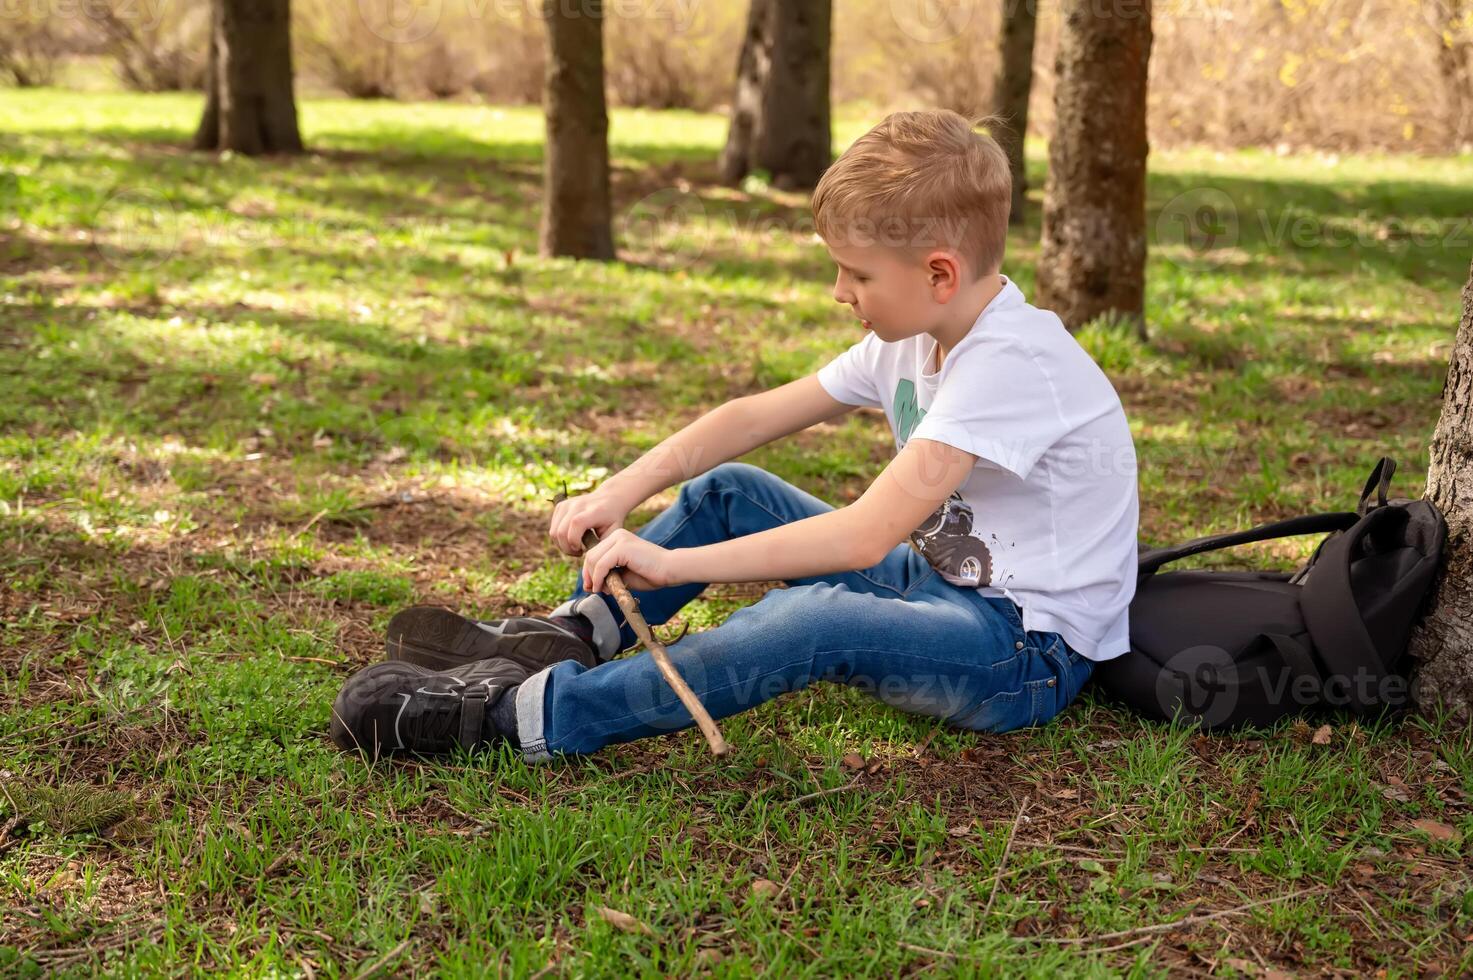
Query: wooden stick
x=630, y=605
x=1190, y=920
x=1006, y=850
x=826, y=792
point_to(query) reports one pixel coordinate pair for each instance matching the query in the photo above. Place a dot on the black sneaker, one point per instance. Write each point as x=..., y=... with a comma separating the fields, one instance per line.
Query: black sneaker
x=438, y=638
x=395, y=708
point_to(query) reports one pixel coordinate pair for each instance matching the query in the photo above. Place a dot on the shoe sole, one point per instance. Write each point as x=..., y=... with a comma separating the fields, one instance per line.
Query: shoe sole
x=440, y=639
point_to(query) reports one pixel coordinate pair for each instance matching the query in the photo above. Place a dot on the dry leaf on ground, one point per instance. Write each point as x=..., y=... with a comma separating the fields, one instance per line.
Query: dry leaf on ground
x=1436, y=829
x=622, y=921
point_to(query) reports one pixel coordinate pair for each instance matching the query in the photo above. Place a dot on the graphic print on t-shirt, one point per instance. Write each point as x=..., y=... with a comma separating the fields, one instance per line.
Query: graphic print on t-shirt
x=947, y=542
x=944, y=539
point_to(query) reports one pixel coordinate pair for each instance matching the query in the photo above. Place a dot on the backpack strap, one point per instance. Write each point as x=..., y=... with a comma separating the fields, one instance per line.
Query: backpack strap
x=1380, y=481
x=1328, y=601
x=1152, y=560
x=1298, y=659
x=1333, y=616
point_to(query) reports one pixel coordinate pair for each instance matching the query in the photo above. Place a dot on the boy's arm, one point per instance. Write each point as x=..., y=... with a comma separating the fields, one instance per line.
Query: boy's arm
x=918, y=480
x=726, y=432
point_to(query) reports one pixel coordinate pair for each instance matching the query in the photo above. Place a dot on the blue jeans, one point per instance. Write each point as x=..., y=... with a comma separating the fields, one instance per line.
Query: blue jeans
x=898, y=630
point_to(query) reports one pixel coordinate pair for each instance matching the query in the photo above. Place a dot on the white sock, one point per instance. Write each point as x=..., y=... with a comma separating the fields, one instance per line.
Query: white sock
x=605, y=630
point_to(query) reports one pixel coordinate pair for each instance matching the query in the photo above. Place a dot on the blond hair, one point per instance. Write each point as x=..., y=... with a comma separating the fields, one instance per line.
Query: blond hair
x=917, y=182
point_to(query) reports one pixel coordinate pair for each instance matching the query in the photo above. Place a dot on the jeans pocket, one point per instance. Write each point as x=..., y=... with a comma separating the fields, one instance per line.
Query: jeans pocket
x=919, y=581
x=1007, y=710
x=1071, y=670
x=1010, y=613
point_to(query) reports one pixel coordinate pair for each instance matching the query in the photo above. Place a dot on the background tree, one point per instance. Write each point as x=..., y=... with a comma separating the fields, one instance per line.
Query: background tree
x=249, y=105
x=780, y=117
x=1094, y=213
x=32, y=45
x=1443, y=643
x=576, y=211
x=1451, y=20
x=1011, y=90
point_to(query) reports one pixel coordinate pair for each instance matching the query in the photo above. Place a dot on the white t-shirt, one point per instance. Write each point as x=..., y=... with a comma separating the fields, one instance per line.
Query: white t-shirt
x=1050, y=512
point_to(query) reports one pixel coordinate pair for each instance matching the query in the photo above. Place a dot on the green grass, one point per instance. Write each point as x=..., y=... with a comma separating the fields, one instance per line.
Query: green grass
x=254, y=406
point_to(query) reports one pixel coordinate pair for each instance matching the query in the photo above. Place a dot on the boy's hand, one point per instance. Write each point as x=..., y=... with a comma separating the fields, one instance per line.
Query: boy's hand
x=601, y=511
x=643, y=564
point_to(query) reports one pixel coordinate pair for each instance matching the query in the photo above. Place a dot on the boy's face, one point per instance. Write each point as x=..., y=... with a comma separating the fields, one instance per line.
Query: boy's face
x=894, y=294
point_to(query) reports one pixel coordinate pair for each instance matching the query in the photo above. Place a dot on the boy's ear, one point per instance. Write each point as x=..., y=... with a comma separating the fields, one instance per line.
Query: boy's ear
x=943, y=272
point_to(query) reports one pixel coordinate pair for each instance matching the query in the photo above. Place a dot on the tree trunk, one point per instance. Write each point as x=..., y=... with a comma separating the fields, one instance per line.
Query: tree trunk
x=207, y=135
x=1442, y=644
x=249, y=105
x=1093, y=258
x=780, y=120
x=576, y=219
x=1453, y=64
x=1011, y=91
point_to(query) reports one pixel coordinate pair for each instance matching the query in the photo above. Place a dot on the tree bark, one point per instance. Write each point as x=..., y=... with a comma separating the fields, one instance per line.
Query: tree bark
x=780, y=117
x=1442, y=644
x=1094, y=215
x=249, y=104
x=207, y=135
x=576, y=213
x=1011, y=91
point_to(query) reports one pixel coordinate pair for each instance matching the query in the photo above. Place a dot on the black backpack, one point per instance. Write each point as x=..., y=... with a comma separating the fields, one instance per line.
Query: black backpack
x=1224, y=649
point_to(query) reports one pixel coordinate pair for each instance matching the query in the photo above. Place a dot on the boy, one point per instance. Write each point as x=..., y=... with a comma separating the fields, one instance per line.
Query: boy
x=977, y=581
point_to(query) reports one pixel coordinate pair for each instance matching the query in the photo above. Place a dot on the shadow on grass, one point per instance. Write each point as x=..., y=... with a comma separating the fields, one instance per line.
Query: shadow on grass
x=1415, y=230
